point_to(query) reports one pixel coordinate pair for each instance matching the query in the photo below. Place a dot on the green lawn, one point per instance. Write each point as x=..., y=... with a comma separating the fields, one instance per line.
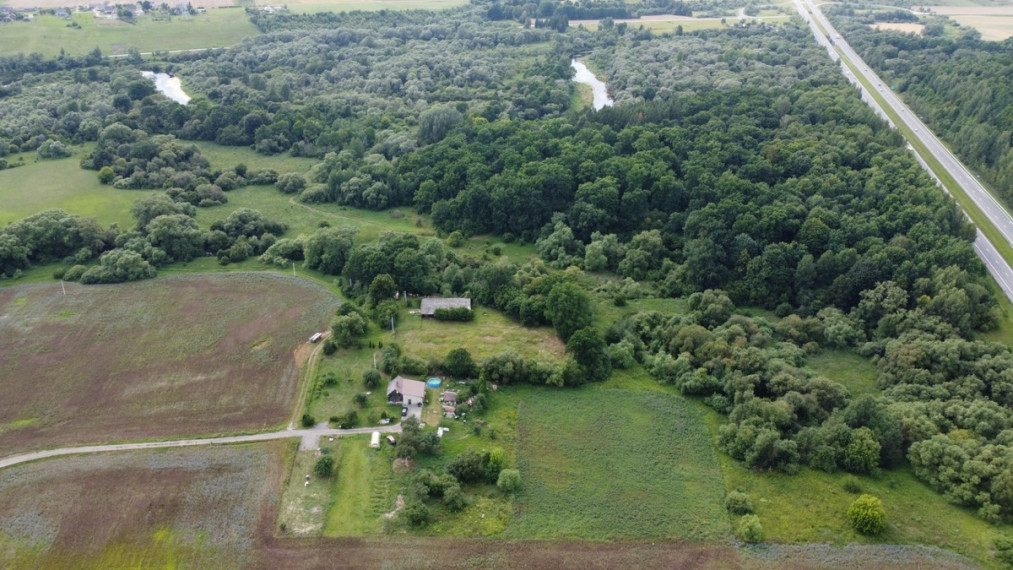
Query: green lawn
x=856, y=373
x=62, y=183
x=49, y=34
x=631, y=465
x=361, y=489
x=490, y=333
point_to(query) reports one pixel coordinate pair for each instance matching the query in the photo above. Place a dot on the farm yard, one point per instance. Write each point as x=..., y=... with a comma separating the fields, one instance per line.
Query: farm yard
x=157, y=359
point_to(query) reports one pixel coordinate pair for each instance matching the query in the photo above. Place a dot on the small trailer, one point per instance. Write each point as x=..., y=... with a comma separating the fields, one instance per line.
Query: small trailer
x=374, y=442
x=316, y=337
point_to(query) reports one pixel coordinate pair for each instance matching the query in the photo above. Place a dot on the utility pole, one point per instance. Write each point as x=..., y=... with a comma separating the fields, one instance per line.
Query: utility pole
x=293, y=269
x=64, y=288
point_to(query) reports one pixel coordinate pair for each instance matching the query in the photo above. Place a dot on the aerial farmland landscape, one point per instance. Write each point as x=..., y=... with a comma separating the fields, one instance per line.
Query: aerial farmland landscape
x=495, y=284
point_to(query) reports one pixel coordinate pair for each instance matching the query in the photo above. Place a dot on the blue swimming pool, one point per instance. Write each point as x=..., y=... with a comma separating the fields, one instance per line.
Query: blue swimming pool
x=434, y=382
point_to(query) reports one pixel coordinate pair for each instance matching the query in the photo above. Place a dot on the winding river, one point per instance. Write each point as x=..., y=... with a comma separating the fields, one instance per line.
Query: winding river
x=168, y=85
x=599, y=91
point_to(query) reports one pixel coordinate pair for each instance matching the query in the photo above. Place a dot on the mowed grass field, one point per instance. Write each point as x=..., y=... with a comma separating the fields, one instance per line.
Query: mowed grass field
x=62, y=183
x=194, y=507
x=163, y=358
x=616, y=464
x=49, y=34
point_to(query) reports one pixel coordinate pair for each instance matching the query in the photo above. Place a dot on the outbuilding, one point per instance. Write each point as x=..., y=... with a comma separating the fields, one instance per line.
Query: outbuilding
x=374, y=441
x=429, y=305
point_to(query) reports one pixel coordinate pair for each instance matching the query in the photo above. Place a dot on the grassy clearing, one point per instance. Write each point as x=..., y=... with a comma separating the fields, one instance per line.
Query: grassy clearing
x=361, y=488
x=306, y=218
x=811, y=506
x=632, y=465
x=49, y=34
x=313, y=6
x=302, y=510
x=62, y=183
x=854, y=372
x=165, y=358
x=490, y=333
x=224, y=157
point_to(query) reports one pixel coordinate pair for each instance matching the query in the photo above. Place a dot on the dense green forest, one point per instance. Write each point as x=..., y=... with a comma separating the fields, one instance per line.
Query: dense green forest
x=737, y=169
x=958, y=84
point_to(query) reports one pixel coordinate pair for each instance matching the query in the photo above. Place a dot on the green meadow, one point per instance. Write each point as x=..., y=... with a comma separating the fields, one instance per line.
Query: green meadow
x=47, y=34
x=62, y=183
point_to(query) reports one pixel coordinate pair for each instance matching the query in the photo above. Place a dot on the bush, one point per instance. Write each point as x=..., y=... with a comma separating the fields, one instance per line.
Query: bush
x=360, y=399
x=455, y=239
x=750, y=529
x=324, y=467
x=290, y=183
x=867, y=515
x=330, y=347
x=851, y=485
x=738, y=503
x=371, y=378
x=509, y=481
x=458, y=314
x=74, y=273
x=308, y=421
x=415, y=513
x=1004, y=551
x=453, y=498
x=106, y=175
x=468, y=467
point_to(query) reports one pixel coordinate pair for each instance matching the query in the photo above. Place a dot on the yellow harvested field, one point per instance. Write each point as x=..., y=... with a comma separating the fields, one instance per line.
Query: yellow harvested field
x=994, y=22
x=918, y=29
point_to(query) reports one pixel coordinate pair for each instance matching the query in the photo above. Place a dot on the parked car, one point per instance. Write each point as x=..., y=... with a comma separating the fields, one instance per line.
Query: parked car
x=404, y=412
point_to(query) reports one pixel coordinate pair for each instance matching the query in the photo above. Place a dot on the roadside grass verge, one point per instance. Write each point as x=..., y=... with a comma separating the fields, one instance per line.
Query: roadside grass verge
x=854, y=372
x=49, y=34
x=628, y=465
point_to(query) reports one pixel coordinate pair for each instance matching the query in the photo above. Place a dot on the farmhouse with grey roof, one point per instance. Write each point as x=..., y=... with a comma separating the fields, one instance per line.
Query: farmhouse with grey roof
x=401, y=390
x=429, y=305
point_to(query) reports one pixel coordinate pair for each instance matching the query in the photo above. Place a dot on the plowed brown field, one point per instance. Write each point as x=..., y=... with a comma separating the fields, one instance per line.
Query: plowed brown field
x=167, y=358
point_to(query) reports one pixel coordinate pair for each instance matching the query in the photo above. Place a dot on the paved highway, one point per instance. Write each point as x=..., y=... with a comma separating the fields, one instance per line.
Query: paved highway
x=993, y=210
